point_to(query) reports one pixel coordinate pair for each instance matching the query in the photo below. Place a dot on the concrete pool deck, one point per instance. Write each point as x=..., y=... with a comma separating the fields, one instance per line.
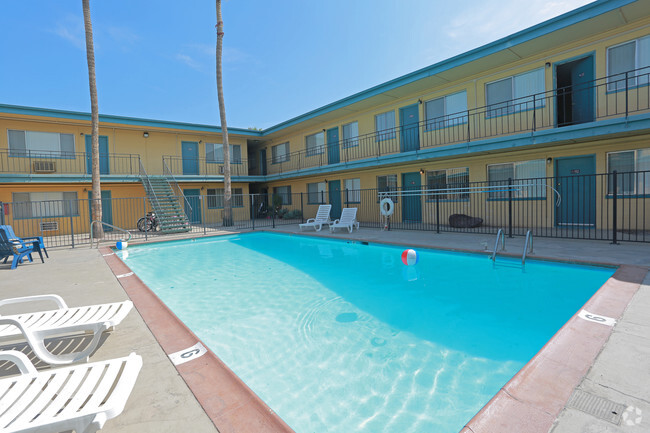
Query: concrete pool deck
x=618, y=372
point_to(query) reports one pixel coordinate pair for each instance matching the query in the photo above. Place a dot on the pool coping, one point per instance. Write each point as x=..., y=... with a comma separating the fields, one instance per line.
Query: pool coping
x=531, y=401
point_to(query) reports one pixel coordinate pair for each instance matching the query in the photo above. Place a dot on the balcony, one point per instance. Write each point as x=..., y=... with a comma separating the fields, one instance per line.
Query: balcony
x=179, y=166
x=609, y=97
x=53, y=163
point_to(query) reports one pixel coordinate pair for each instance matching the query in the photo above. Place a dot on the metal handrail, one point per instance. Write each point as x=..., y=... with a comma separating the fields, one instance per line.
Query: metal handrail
x=168, y=173
x=527, y=246
x=105, y=224
x=501, y=236
x=148, y=187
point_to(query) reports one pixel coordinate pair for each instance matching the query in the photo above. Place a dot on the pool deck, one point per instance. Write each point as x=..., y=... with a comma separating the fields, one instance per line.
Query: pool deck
x=588, y=370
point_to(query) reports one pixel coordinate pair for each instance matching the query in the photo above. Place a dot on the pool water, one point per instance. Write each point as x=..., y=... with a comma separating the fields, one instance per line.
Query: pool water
x=342, y=337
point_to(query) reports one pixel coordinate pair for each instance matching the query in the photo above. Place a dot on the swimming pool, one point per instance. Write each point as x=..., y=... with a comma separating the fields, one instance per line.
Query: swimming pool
x=338, y=336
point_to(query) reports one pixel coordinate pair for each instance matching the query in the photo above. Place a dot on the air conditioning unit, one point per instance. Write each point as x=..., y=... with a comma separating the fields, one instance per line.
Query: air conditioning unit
x=49, y=226
x=44, y=166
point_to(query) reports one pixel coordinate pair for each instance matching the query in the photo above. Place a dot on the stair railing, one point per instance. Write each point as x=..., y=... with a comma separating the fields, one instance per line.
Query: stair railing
x=168, y=174
x=153, y=199
x=500, y=237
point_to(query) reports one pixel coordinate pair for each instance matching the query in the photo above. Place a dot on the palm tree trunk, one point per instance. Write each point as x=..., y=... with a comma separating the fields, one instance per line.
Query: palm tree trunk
x=96, y=207
x=227, y=193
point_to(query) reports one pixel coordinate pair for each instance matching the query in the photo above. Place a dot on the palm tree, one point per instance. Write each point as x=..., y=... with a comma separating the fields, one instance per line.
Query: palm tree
x=227, y=193
x=96, y=207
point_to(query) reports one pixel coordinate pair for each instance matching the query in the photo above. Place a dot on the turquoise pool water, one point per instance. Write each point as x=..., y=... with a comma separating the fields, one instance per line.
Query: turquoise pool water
x=340, y=336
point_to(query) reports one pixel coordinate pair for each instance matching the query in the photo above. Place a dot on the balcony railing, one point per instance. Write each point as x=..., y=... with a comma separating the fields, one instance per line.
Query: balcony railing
x=180, y=166
x=614, y=96
x=56, y=162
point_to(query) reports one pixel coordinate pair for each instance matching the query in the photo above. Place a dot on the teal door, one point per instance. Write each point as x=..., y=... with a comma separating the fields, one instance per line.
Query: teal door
x=104, y=166
x=334, y=194
x=409, y=120
x=190, y=152
x=263, y=162
x=193, y=205
x=333, y=146
x=575, y=181
x=575, y=91
x=411, y=198
x=107, y=209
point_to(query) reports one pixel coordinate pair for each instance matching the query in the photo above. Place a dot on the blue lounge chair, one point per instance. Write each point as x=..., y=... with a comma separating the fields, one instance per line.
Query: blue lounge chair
x=14, y=249
x=27, y=240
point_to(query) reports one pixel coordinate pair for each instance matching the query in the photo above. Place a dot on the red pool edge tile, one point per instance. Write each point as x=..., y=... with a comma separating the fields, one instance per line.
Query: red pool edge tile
x=531, y=401
x=231, y=405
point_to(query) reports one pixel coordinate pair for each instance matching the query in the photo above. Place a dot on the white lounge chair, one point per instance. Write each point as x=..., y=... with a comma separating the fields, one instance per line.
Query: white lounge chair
x=80, y=398
x=322, y=217
x=36, y=327
x=348, y=220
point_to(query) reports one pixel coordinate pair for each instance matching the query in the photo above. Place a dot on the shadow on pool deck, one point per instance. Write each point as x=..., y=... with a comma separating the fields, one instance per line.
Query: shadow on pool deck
x=162, y=402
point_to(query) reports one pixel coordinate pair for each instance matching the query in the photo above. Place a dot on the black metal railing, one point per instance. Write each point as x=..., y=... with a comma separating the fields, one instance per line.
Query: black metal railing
x=56, y=162
x=611, y=207
x=613, y=96
x=180, y=166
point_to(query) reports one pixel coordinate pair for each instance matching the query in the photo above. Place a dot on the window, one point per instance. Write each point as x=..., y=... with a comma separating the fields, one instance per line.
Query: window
x=214, y=153
x=44, y=204
x=40, y=144
x=280, y=153
x=447, y=111
x=353, y=190
x=315, y=143
x=387, y=184
x=454, y=182
x=626, y=58
x=528, y=179
x=385, y=126
x=350, y=135
x=316, y=193
x=626, y=164
x=216, y=198
x=284, y=192
x=514, y=93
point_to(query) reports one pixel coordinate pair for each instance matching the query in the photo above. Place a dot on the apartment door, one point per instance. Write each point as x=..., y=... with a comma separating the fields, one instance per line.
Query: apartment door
x=193, y=211
x=411, y=197
x=104, y=166
x=263, y=162
x=333, y=146
x=334, y=193
x=575, y=181
x=190, y=154
x=107, y=209
x=575, y=91
x=409, y=120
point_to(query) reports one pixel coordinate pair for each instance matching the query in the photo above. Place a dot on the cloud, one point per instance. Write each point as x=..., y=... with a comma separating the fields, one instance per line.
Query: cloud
x=189, y=61
x=485, y=22
x=71, y=29
x=123, y=35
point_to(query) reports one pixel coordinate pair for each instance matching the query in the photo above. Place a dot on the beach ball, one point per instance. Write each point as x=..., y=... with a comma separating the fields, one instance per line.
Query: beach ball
x=410, y=257
x=121, y=244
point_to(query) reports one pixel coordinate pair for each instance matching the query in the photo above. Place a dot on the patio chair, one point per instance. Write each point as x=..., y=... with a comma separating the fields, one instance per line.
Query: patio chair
x=38, y=326
x=80, y=398
x=348, y=220
x=14, y=249
x=37, y=241
x=322, y=217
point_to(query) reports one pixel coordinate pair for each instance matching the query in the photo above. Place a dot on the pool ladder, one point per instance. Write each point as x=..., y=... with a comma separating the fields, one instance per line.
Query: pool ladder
x=528, y=246
x=500, y=237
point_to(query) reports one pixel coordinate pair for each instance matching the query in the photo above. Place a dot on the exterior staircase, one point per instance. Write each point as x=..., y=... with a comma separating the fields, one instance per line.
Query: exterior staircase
x=167, y=206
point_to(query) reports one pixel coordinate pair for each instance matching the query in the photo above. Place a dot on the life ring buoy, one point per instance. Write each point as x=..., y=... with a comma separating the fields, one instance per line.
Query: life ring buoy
x=387, y=206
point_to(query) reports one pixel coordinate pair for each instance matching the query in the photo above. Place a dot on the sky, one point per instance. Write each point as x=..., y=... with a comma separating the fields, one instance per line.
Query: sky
x=155, y=59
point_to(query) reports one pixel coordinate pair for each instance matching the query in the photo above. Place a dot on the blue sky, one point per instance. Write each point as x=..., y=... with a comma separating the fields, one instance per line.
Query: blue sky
x=156, y=59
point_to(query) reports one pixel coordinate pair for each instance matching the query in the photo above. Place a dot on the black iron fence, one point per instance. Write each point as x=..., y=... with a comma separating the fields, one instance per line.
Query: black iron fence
x=60, y=162
x=613, y=96
x=611, y=207
x=180, y=166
